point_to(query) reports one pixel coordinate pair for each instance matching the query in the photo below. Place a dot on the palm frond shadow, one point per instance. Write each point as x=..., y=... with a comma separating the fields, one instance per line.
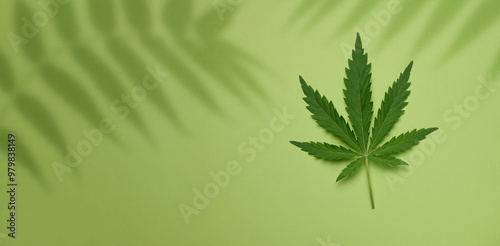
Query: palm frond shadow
x=190, y=79
x=320, y=9
x=102, y=77
x=132, y=65
x=6, y=75
x=495, y=67
x=442, y=15
x=26, y=158
x=440, y=18
x=30, y=107
x=357, y=12
x=68, y=87
x=183, y=56
x=105, y=80
x=223, y=60
x=223, y=57
x=104, y=17
x=483, y=17
x=412, y=9
x=36, y=48
x=39, y=116
x=138, y=15
x=70, y=90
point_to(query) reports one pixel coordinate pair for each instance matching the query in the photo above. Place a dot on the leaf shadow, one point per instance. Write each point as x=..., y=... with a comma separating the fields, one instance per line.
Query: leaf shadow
x=357, y=12
x=6, y=74
x=441, y=17
x=481, y=18
x=495, y=67
x=24, y=157
x=399, y=22
x=70, y=90
x=102, y=76
x=315, y=10
x=34, y=47
x=40, y=118
x=104, y=17
x=185, y=57
x=106, y=81
x=227, y=63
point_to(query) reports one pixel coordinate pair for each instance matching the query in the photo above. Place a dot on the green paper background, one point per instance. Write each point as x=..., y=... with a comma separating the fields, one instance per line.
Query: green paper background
x=227, y=79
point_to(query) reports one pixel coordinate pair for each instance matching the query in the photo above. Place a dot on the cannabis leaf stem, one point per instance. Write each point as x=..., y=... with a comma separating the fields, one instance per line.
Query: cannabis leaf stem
x=369, y=182
x=359, y=107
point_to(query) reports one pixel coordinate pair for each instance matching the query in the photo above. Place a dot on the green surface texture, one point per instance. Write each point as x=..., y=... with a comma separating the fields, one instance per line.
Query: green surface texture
x=168, y=122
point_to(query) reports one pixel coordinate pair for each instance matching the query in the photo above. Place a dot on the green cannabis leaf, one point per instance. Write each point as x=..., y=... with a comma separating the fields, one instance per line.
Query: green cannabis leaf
x=362, y=147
